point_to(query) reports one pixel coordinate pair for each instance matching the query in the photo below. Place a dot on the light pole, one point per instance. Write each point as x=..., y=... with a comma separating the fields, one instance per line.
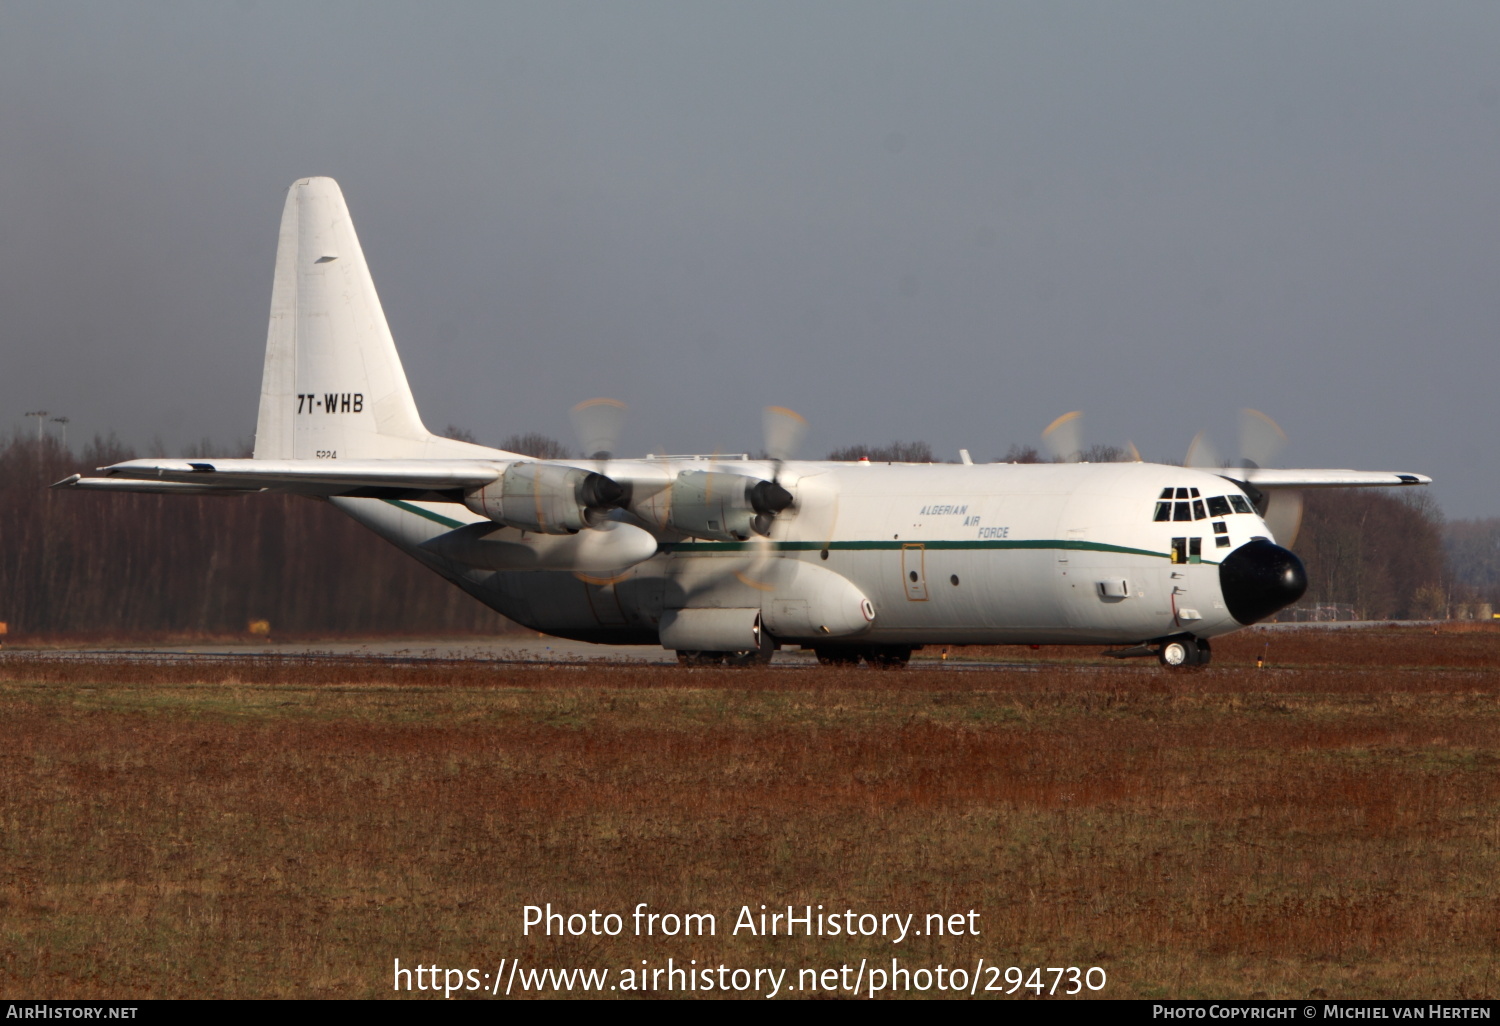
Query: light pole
x=64, y=422
x=40, y=415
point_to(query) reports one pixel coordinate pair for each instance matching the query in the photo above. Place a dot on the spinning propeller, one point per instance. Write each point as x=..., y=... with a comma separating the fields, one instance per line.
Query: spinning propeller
x=783, y=432
x=1261, y=441
x=1064, y=437
x=1064, y=440
x=597, y=423
x=783, y=429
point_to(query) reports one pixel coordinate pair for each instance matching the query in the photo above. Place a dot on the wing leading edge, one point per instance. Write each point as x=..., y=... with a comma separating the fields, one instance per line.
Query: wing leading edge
x=1271, y=477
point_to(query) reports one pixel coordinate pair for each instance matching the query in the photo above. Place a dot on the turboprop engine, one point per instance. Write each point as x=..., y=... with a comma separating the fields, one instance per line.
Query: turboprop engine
x=728, y=507
x=547, y=498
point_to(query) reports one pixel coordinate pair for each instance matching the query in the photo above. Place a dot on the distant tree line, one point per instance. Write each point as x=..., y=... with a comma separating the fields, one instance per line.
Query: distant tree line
x=895, y=452
x=1377, y=552
x=1473, y=549
x=86, y=562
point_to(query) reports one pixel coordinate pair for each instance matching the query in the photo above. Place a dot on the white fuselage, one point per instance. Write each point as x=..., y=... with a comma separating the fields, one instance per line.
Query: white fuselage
x=944, y=553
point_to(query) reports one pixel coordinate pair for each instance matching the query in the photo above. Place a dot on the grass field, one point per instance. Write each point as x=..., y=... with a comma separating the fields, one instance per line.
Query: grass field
x=1324, y=826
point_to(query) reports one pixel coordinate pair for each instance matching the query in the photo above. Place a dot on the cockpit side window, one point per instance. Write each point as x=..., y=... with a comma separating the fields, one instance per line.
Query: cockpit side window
x=1183, y=504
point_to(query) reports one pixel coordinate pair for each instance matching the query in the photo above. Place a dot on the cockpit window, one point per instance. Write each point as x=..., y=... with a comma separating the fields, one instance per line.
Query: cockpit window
x=1183, y=504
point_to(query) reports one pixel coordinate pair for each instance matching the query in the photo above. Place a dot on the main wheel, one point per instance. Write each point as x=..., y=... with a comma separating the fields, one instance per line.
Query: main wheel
x=830, y=656
x=688, y=657
x=755, y=657
x=1178, y=652
x=888, y=657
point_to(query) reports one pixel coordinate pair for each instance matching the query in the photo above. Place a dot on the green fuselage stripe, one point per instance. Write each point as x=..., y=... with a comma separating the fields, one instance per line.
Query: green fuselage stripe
x=436, y=518
x=867, y=546
x=710, y=547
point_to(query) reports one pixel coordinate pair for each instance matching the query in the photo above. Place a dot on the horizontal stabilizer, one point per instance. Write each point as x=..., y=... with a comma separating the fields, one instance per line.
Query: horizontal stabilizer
x=120, y=484
x=311, y=477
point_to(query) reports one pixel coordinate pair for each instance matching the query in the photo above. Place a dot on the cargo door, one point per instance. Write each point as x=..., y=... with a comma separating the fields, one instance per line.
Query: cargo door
x=914, y=572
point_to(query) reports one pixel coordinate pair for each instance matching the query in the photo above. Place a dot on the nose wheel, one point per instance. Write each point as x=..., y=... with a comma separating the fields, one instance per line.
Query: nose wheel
x=1184, y=650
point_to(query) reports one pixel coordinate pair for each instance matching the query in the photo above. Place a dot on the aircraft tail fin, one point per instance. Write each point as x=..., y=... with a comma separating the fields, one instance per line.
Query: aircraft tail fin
x=333, y=385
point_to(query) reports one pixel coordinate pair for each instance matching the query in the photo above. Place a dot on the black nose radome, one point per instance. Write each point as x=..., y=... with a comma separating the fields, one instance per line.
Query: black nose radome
x=1259, y=578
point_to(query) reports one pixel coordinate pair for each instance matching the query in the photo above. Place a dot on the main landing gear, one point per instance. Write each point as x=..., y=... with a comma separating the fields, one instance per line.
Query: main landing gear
x=1184, y=650
x=754, y=657
x=687, y=658
x=880, y=657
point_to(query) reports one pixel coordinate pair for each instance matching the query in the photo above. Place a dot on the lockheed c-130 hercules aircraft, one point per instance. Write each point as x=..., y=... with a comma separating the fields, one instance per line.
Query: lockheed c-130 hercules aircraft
x=728, y=558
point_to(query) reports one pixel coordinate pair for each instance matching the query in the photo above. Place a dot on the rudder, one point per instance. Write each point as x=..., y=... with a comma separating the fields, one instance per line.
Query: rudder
x=333, y=385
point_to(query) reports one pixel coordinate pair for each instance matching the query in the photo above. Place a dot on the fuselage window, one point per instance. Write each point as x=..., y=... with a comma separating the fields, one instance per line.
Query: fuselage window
x=1240, y=504
x=1218, y=506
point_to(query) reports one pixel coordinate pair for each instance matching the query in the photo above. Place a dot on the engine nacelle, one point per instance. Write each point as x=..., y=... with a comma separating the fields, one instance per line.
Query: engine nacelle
x=610, y=547
x=547, y=498
x=728, y=507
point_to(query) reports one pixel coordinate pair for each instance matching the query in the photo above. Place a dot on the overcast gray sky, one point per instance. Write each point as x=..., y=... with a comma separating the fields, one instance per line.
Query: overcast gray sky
x=938, y=221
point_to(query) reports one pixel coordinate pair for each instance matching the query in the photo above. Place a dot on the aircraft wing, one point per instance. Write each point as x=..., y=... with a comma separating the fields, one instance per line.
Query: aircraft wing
x=363, y=478
x=1273, y=477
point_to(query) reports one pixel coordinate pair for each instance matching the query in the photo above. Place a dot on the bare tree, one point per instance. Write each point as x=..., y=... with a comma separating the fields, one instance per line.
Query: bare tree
x=895, y=452
x=1380, y=553
x=1021, y=454
x=1101, y=453
x=126, y=564
x=1473, y=548
x=537, y=446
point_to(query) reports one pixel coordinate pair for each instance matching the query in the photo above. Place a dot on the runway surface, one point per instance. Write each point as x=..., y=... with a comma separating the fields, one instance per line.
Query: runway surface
x=515, y=650
x=531, y=649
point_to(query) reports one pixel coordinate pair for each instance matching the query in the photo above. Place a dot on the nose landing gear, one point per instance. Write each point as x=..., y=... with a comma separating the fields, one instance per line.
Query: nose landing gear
x=1184, y=650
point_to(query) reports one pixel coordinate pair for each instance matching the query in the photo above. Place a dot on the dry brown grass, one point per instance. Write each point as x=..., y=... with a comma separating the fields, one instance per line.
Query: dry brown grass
x=1453, y=644
x=287, y=827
